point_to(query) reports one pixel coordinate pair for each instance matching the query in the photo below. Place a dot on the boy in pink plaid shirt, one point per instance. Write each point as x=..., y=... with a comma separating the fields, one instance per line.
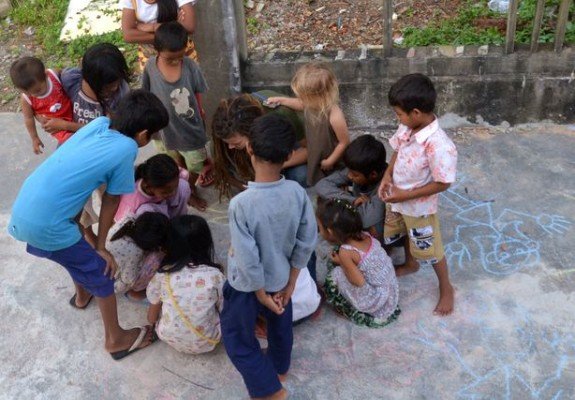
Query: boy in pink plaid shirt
x=422, y=166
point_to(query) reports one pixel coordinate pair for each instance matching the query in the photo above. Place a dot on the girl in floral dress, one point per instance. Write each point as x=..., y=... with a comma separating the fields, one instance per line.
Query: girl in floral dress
x=186, y=292
x=363, y=286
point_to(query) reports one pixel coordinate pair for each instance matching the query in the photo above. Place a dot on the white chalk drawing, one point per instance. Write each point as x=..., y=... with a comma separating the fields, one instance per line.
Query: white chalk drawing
x=502, y=244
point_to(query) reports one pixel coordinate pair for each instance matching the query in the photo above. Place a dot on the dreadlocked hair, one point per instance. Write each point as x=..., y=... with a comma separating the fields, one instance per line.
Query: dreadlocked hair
x=235, y=115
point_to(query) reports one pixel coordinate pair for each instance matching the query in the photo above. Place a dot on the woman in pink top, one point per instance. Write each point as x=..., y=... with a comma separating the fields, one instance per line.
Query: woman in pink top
x=160, y=187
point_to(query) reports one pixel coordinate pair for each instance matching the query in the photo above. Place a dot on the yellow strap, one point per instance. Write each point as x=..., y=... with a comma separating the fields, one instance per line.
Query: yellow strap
x=183, y=316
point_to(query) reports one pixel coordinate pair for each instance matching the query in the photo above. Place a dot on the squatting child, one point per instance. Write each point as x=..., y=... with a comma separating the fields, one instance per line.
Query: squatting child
x=186, y=292
x=363, y=285
x=43, y=98
x=178, y=82
x=45, y=212
x=273, y=233
x=422, y=166
x=365, y=164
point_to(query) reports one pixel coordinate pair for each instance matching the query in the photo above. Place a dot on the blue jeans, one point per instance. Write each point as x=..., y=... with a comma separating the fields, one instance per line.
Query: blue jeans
x=297, y=174
x=238, y=321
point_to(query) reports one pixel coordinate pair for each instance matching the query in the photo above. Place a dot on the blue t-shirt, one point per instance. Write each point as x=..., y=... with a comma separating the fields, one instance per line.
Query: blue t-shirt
x=55, y=193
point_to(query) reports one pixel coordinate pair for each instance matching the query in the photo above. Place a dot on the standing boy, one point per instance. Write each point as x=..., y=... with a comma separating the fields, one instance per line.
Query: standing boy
x=422, y=166
x=273, y=233
x=178, y=82
x=45, y=212
x=365, y=164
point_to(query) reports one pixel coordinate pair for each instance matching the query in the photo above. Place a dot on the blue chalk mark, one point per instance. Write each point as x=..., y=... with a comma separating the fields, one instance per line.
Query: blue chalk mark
x=502, y=244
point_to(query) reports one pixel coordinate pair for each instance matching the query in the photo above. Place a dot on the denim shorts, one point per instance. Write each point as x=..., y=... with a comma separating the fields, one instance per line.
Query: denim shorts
x=84, y=265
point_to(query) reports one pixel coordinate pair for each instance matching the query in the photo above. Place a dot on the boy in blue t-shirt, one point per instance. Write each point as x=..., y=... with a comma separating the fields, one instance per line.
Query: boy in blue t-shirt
x=273, y=233
x=45, y=212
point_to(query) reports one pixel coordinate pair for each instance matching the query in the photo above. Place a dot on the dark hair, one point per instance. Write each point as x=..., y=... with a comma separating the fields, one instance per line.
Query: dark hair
x=235, y=115
x=272, y=138
x=365, y=155
x=149, y=231
x=411, y=92
x=170, y=36
x=158, y=170
x=27, y=71
x=190, y=244
x=137, y=111
x=167, y=10
x=342, y=218
x=103, y=64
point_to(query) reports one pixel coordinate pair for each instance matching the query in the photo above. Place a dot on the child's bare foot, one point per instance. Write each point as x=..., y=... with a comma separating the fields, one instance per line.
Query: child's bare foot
x=406, y=269
x=446, y=300
x=261, y=330
x=197, y=202
x=281, y=394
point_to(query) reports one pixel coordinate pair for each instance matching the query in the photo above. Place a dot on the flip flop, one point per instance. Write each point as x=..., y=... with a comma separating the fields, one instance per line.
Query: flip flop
x=73, y=302
x=118, y=355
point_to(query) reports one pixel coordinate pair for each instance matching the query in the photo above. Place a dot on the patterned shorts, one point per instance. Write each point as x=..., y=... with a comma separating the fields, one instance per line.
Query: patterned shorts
x=194, y=158
x=424, y=235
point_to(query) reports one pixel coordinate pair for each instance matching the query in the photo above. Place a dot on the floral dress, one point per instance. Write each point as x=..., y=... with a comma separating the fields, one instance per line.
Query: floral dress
x=191, y=301
x=375, y=303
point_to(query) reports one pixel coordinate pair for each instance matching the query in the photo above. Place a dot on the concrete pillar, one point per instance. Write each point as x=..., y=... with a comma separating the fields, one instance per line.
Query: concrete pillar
x=5, y=7
x=220, y=39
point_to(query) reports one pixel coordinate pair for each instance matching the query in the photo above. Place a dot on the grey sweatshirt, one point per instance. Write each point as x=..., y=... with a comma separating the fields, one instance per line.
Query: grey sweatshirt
x=273, y=228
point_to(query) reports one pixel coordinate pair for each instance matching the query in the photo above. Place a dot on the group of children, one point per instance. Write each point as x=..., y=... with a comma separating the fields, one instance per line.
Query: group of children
x=148, y=247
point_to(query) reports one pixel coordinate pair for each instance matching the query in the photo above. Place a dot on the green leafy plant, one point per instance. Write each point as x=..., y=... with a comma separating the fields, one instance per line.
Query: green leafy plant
x=47, y=19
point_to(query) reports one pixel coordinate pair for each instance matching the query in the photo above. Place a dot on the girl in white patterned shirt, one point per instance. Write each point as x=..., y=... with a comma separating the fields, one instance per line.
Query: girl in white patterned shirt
x=186, y=292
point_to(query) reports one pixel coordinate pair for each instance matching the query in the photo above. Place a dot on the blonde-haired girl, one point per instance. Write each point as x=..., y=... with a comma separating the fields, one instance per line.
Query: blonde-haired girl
x=327, y=136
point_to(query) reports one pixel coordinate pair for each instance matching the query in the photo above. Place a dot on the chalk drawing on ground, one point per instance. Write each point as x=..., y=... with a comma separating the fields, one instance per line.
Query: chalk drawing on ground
x=503, y=243
x=532, y=363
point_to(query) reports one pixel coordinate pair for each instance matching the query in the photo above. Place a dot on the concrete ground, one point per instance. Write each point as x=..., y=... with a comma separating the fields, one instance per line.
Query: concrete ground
x=507, y=226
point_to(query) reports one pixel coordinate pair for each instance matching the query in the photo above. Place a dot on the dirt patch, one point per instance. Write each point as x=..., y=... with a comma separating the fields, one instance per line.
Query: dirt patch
x=330, y=25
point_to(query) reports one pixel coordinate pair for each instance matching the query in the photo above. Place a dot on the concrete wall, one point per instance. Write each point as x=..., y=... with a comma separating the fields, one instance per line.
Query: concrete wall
x=471, y=81
x=220, y=41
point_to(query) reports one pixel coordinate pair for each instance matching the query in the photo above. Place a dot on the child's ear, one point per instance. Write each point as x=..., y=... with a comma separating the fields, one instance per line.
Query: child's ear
x=249, y=149
x=374, y=175
x=416, y=112
x=142, y=138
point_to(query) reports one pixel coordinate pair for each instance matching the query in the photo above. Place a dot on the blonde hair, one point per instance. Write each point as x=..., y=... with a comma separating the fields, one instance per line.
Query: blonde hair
x=317, y=87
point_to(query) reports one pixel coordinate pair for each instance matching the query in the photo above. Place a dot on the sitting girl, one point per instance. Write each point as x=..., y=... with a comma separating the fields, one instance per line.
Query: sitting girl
x=364, y=286
x=136, y=245
x=160, y=187
x=186, y=292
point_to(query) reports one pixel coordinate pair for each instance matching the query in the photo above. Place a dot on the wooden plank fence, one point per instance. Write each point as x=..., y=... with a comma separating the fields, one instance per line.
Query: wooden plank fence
x=560, y=29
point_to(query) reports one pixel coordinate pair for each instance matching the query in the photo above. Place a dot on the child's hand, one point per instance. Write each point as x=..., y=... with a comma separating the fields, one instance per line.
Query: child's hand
x=53, y=125
x=326, y=165
x=273, y=102
x=111, y=265
x=273, y=303
x=361, y=200
x=37, y=145
x=181, y=15
x=385, y=187
x=396, y=195
x=284, y=295
x=334, y=256
x=147, y=27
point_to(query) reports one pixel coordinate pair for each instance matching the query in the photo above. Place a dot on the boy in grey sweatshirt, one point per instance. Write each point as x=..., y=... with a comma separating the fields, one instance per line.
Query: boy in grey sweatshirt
x=273, y=233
